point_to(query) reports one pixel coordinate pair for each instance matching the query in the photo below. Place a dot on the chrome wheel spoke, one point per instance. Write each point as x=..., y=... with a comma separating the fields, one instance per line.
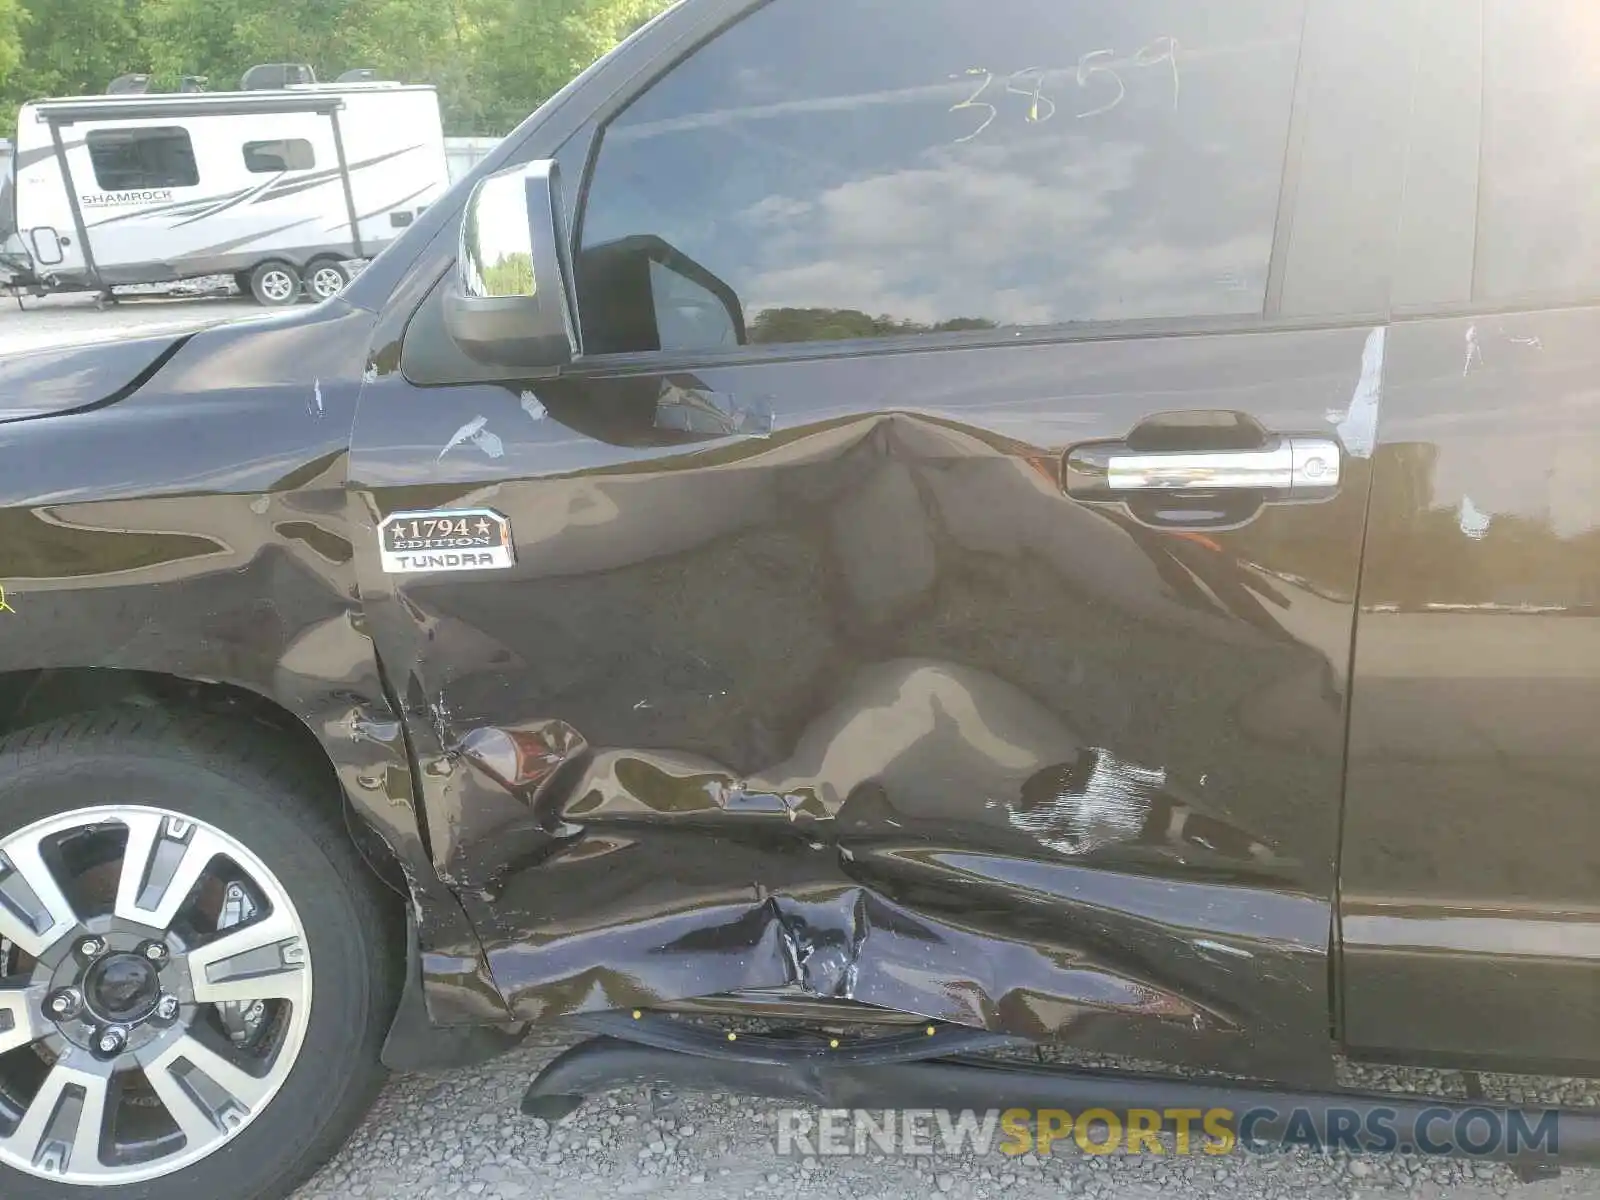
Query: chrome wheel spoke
x=198, y=1123
x=61, y=1131
x=164, y=859
x=34, y=912
x=264, y=960
x=21, y=1015
x=198, y=1085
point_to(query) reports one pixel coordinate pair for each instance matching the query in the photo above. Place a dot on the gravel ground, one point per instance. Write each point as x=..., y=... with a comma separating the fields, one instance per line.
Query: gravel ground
x=63, y=320
x=461, y=1134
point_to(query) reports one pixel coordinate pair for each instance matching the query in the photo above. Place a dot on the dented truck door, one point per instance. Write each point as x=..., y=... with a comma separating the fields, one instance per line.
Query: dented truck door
x=932, y=589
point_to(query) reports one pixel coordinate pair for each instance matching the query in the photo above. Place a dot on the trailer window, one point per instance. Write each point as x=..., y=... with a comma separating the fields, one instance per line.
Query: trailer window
x=283, y=154
x=131, y=159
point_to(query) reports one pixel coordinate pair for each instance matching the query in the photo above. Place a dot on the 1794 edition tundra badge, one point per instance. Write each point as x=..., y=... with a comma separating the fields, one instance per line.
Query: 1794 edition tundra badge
x=456, y=539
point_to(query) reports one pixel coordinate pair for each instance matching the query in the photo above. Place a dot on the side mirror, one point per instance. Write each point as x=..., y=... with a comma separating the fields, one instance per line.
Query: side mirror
x=511, y=304
x=647, y=295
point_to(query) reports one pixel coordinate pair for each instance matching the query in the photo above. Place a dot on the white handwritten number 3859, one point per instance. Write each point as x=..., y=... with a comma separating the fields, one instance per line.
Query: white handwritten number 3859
x=1096, y=70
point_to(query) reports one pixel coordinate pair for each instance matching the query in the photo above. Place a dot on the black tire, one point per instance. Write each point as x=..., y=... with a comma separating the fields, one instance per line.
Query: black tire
x=241, y=280
x=248, y=784
x=276, y=284
x=321, y=271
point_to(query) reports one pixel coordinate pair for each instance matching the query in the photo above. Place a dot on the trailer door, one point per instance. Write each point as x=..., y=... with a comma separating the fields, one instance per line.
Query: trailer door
x=43, y=208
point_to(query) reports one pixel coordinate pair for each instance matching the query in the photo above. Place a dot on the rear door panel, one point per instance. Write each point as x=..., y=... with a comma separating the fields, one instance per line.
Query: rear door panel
x=1470, y=882
x=1470, y=885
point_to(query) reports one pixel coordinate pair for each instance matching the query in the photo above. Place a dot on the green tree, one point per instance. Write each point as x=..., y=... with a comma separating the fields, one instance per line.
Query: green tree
x=407, y=39
x=524, y=51
x=64, y=48
x=10, y=39
x=493, y=61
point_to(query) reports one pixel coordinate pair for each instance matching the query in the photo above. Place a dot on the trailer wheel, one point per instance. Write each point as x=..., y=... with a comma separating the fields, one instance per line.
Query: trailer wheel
x=275, y=284
x=326, y=278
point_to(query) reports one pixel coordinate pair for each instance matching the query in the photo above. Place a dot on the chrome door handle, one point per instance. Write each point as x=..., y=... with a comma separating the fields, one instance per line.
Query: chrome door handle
x=1294, y=466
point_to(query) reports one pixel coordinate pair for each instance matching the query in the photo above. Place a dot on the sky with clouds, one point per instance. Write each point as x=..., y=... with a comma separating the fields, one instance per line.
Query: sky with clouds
x=830, y=154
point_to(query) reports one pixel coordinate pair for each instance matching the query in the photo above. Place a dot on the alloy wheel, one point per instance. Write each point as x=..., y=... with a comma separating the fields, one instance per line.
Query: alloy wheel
x=277, y=285
x=327, y=282
x=155, y=987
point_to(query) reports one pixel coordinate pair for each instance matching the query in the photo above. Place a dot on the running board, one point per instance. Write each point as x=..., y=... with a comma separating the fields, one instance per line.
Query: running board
x=675, y=1050
x=887, y=1073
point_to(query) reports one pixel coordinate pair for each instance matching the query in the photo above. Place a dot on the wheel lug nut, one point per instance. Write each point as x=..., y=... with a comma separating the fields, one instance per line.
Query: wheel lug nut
x=156, y=952
x=167, y=1007
x=111, y=1041
x=64, y=1003
x=91, y=946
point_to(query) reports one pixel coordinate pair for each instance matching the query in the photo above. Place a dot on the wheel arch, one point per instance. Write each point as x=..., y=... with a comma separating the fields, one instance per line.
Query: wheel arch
x=447, y=979
x=34, y=696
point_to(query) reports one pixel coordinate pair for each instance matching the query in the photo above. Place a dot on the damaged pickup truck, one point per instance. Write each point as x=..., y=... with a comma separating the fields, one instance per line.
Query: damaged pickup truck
x=866, y=538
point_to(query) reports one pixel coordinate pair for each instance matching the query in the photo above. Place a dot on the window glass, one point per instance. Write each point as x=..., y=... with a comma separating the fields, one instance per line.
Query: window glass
x=874, y=168
x=1538, y=227
x=689, y=315
x=129, y=159
x=285, y=154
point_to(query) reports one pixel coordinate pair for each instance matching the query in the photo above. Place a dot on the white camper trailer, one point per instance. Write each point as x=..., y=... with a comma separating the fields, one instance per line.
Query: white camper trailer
x=276, y=188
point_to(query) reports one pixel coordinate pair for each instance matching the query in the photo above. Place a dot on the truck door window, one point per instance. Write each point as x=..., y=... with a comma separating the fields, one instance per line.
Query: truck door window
x=1538, y=229
x=883, y=168
x=134, y=159
x=283, y=154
